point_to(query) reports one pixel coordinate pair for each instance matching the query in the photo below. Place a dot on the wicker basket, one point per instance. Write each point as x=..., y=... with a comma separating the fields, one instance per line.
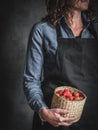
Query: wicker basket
x=75, y=107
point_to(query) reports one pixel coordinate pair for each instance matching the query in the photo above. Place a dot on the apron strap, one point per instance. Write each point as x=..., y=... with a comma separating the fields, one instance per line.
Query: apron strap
x=92, y=30
x=58, y=31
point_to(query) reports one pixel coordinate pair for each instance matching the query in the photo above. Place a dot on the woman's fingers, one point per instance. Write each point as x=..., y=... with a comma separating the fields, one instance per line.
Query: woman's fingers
x=61, y=120
x=55, y=117
x=64, y=119
x=61, y=111
x=57, y=123
x=64, y=123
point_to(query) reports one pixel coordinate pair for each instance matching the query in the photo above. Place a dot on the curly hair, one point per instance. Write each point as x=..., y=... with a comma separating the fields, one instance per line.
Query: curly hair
x=57, y=8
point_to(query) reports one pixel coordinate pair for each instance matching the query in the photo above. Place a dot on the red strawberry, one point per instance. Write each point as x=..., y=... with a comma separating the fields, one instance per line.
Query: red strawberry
x=60, y=92
x=67, y=98
x=76, y=94
x=67, y=92
x=71, y=98
x=68, y=95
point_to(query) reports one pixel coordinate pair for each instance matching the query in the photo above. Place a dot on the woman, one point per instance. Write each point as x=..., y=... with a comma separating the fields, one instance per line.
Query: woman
x=63, y=51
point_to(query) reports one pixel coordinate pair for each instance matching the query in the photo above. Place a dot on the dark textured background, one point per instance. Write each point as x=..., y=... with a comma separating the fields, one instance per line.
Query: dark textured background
x=16, y=20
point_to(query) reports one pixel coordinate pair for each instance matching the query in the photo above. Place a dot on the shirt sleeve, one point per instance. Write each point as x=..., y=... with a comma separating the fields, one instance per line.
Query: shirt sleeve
x=33, y=70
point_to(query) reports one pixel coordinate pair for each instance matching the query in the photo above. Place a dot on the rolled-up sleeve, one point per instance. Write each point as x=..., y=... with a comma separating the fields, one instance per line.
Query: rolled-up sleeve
x=33, y=70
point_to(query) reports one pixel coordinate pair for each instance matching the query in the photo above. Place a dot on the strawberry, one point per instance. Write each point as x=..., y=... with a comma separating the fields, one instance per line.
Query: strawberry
x=60, y=92
x=68, y=95
x=71, y=98
x=76, y=94
x=67, y=92
x=67, y=98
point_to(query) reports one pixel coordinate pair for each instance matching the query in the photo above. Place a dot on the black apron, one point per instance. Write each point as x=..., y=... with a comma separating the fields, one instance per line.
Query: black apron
x=77, y=66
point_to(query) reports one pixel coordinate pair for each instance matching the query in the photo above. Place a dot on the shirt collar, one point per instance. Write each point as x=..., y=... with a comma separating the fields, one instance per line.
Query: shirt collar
x=87, y=18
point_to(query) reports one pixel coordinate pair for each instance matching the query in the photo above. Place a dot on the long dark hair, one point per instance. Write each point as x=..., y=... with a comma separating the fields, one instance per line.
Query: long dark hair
x=57, y=8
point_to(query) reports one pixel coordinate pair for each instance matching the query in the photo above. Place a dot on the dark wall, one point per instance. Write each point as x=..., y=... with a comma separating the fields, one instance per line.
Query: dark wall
x=16, y=20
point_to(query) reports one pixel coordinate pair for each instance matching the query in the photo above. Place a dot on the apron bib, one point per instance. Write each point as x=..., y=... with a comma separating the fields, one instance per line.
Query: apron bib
x=77, y=66
x=77, y=63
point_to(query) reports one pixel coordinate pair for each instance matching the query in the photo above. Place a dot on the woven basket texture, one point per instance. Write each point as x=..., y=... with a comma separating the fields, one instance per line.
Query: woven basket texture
x=75, y=107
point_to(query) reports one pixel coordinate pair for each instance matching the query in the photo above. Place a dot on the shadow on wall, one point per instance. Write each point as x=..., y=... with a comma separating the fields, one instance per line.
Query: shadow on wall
x=17, y=18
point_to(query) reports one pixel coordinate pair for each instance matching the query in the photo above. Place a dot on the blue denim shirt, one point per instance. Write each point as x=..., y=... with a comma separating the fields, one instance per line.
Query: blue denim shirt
x=43, y=35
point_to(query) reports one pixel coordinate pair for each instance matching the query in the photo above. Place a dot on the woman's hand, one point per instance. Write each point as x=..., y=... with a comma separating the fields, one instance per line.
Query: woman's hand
x=55, y=118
